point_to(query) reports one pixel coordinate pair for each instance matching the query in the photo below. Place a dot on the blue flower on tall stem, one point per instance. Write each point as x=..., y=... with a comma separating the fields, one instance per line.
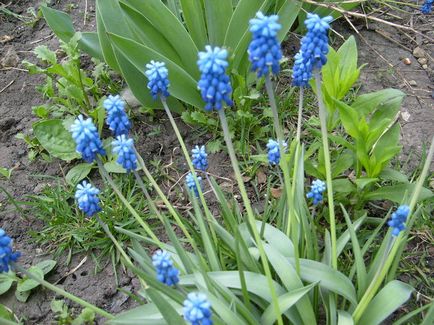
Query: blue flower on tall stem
x=166, y=272
x=117, y=119
x=87, y=198
x=316, y=190
x=313, y=51
x=197, y=309
x=214, y=84
x=427, y=7
x=158, y=76
x=264, y=49
x=124, y=148
x=86, y=137
x=399, y=217
x=274, y=151
x=7, y=255
x=199, y=158
x=191, y=184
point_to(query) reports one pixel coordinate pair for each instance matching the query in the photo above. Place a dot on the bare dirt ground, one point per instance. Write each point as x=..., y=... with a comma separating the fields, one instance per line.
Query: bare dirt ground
x=383, y=47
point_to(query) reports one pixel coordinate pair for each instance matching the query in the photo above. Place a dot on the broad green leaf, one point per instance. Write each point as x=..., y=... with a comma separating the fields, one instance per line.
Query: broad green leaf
x=218, y=15
x=46, y=266
x=286, y=301
x=170, y=314
x=288, y=14
x=350, y=119
x=396, y=193
x=343, y=185
x=367, y=103
x=389, y=299
x=345, y=318
x=77, y=173
x=147, y=314
x=58, y=141
x=148, y=34
x=5, y=283
x=169, y=26
x=194, y=18
x=45, y=54
x=6, y=316
x=183, y=86
x=348, y=71
x=393, y=175
x=363, y=182
x=114, y=167
x=28, y=284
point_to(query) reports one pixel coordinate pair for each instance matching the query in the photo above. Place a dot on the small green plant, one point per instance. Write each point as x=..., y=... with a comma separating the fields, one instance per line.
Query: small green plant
x=63, y=314
x=25, y=284
x=6, y=172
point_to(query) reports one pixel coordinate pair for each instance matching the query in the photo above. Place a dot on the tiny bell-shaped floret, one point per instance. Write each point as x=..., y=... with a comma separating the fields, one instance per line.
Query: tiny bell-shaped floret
x=158, y=76
x=86, y=137
x=316, y=190
x=87, y=198
x=124, y=148
x=274, y=151
x=117, y=120
x=399, y=217
x=197, y=309
x=191, y=184
x=199, y=158
x=7, y=255
x=166, y=272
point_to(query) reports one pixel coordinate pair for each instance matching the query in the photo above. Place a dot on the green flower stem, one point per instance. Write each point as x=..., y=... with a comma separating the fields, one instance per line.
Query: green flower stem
x=325, y=142
x=106, y=176
x=251, y=216
x=148, y=197
x=300, y=113
x=291, y=223
x=163, y=197
x=62, y=292
x=396, y=243
x=86, y=97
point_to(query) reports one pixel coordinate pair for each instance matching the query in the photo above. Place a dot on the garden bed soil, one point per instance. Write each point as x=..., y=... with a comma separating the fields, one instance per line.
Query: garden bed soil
x=385, y=49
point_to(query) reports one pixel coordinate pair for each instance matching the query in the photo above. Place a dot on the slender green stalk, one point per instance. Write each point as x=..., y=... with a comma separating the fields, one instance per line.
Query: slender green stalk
x=291, y=224
x=251, y=216
x=148, y=197
x=107, y=177
x=325, y=142
x=62, y=292
x=300, y=113
x=86, y=97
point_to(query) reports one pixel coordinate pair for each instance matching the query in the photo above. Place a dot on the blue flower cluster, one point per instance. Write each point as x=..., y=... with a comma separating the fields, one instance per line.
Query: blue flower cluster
x=86, y=137
x=117, y=119
x=87, y=198
x=158, y=76
x=314, y=49
x=214, y=84
x=399, y=217
x=7, y=255
x=316, y=190
x=427, y=7
x=199, y=158
x=197, y=309
x=166, y=272
x=124, y=148
x=264, y=49
x=191, y=184
x=274, y=151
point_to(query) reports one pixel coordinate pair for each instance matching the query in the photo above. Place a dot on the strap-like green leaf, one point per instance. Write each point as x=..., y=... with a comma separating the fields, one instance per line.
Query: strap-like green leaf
x=170, y=314
x=345, y=318
x=218, y=14
x=194, y=18
x=390, y=298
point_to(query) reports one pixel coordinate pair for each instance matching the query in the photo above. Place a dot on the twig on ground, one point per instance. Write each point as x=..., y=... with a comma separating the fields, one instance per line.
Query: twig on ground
x=13, y=68
x=7, y=86
x=85, y=13
x=392, y=40
x=42, y=39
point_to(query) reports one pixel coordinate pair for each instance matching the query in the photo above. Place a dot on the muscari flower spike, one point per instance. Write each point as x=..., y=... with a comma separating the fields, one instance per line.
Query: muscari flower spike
x=191, y=184
x=197, y=309
x=199, y=158
x=313, y=51
x=427, y=7
x=264, y=49
x=124, y=148
x=316, y=190
x=87, y=198
x=117, y=119
x=214, y=83
x=86, y=137
x=274, y=151
x=7, y=255
x=158, y=76
x=399, y=217
x=166, y=272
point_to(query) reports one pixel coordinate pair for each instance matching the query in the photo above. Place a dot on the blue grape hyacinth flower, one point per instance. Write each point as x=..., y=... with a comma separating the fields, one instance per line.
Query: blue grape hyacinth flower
x=7, y=254
x=158, y=76
x=399, y=217
x=117, y=120
x=86, y=137
x=313, y=51
x=214, y=83
x=191, y=184
x=316, y=190
x=166, y=272
x=427, y=7
x=264, y=49
x=124, y=148
x=199, y=158
x=87, y=198
x=274, y=151
x=197, y=309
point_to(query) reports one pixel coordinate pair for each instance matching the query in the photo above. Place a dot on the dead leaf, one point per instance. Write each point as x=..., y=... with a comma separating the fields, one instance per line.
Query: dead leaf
x=262, y=178
x=276, y=192
x=5, y=38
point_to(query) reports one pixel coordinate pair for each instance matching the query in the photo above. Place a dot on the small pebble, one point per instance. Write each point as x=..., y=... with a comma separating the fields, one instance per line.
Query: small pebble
x=406, y=61
x=422, y=61
x=425, y=66
x=418, y=52
x=413, y=83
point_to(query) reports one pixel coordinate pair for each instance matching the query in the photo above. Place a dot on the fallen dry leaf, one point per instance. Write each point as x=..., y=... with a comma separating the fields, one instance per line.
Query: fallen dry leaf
x=262, y=178
x=276, y=192
x=5, y=38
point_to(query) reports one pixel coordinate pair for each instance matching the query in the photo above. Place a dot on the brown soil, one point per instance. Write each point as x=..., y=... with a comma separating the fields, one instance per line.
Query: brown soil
x=17, y=96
